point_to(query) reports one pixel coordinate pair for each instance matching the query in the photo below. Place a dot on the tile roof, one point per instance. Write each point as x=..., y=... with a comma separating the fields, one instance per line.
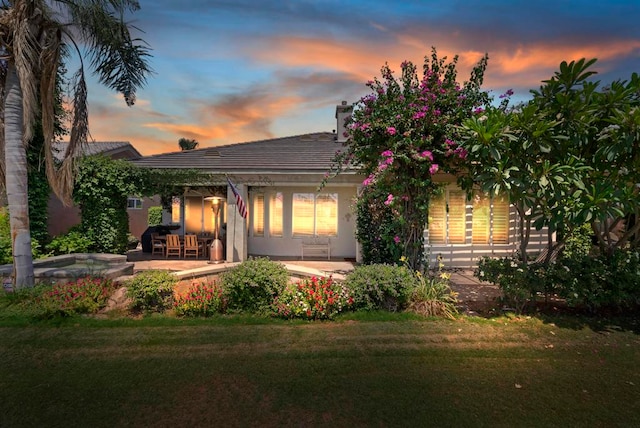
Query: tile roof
x=311, y=153
x=107, y=148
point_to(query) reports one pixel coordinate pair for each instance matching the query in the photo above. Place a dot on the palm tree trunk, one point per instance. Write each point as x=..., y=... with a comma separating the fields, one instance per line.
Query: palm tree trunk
x=16, y=182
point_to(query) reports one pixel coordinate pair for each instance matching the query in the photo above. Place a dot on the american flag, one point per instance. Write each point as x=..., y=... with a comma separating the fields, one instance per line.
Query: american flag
x=242, y=208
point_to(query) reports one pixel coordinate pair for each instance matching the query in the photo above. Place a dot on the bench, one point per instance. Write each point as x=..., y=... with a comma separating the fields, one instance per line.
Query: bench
x=317, y=247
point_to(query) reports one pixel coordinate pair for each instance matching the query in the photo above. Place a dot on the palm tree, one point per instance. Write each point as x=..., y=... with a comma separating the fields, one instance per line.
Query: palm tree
x=34, y=36
x=186, y=144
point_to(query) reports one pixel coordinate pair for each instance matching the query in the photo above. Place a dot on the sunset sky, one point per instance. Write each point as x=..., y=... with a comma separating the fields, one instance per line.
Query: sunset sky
x=229, y=71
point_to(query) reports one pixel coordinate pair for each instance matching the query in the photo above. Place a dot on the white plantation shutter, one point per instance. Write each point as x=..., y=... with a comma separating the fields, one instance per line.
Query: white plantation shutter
x=275, y=214
x=303, y=207
x=500, y=224
x=327, y=214
x=481, y=223
x=457, y=217
x=258, y=215
x=437, y=220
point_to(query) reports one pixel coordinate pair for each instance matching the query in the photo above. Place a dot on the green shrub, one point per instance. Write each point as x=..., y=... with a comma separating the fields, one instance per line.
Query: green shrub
x=380, y=286
x=314, y=298
x=433, y=296
x=253, y=284
x=154, y=216
x=513, y=279
x=203, y=299
x=151, y=290
x=600, y=282
x=74, y=241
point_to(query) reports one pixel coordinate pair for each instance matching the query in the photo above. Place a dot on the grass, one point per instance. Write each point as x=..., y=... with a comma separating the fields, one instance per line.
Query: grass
x=362, y=370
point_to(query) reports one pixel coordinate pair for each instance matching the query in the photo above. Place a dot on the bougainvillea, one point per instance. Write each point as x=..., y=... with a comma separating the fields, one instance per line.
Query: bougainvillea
x=404, y=133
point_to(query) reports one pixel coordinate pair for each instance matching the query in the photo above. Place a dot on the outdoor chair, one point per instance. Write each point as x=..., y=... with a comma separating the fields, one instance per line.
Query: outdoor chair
x=157, y=244
x=174, y=247
x=192, y=247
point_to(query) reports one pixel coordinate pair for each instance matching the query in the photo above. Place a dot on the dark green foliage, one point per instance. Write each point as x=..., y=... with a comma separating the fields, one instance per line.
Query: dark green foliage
x=151, y=290
x=74, y=241
x=375, y=228
x=380, y=286
x=102, y=188
x=592, y=283
x=253, y=284
x=603, y=282
x=154, y=216
x=6, y=253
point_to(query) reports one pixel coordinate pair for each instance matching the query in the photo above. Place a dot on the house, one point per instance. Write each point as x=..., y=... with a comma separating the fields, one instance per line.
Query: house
x=278, y=181
x=62, y=218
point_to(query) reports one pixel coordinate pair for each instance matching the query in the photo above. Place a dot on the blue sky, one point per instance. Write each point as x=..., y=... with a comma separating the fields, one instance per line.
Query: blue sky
x=230, y=71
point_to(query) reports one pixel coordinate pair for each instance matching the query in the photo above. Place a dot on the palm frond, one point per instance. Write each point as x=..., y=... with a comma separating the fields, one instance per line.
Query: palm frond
x=119, y=61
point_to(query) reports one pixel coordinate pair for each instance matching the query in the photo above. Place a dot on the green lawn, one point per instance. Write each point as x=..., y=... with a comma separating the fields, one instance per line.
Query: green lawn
x=354, y=372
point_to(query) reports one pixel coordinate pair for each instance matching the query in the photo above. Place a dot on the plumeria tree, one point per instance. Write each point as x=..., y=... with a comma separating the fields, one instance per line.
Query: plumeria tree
x=570, y=156
x=405, y=132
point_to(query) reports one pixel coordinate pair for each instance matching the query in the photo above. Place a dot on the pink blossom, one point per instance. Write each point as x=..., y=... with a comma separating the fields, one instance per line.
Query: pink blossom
x=396, y=239
x=427, y=154
x=389, y=200
x=367, y=181
x=461, y=152
x=391, y=130
x=450, y=143
x=478, y=110
x=433, y=169
x=405, y=198
x=388, y=161
x=419, y=115
x=382, y=166
x=387, y=153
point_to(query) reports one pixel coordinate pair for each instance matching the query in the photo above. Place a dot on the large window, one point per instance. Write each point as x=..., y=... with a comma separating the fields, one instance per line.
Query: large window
x=315, y=215
x=275, y=214
x=448, y=223
x=258, y=215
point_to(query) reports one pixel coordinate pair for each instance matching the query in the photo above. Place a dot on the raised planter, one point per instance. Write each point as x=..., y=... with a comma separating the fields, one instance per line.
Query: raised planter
x=67, y=267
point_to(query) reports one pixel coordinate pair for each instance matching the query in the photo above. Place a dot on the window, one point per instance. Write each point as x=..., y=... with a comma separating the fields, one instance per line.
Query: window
x=175, y=209
x=258, y=215
x=134, y=203
x=315, y=215
x=448, y=219
x=275, y=214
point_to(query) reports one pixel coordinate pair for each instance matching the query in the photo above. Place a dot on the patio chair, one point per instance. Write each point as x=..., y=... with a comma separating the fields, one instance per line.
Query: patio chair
x=174, y=247
x=192, y=247
x=157, y=244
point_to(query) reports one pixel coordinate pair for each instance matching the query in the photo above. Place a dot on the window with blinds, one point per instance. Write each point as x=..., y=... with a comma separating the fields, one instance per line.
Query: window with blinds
x=448, y=222
x=275, y=214
x=500, y=223
x=315, y=215
x=481, y=223
x=438, y=220
x=258, y=215
x=490, y=220
x=456, y=217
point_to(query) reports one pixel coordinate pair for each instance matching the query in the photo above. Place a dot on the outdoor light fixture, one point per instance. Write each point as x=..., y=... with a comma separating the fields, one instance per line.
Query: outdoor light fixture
x=216, y=249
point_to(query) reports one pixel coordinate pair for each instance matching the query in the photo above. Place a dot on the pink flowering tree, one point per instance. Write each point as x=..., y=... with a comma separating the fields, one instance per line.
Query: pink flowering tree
x=402, y=136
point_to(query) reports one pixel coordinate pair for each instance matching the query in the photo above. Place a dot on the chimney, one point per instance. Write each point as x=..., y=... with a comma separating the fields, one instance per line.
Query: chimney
x=343, y=115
